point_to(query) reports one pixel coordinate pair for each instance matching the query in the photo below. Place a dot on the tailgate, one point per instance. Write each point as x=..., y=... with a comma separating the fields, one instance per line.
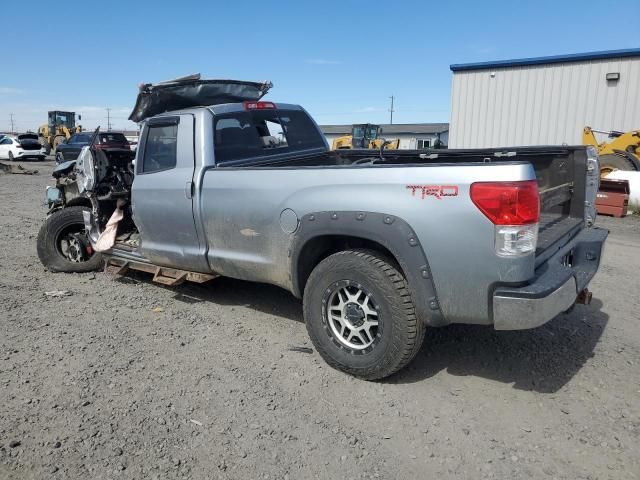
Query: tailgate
x=562, y=181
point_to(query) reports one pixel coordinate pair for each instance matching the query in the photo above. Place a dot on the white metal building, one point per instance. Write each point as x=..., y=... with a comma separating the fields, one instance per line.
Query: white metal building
x=412, y=135
x=546, y=100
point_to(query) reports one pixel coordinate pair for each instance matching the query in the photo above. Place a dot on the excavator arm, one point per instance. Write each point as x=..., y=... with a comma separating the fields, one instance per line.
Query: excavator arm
x=588, y=137
x=621, y=153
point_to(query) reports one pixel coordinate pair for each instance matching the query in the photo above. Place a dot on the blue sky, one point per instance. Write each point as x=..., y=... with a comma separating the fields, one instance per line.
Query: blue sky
x=340, y=59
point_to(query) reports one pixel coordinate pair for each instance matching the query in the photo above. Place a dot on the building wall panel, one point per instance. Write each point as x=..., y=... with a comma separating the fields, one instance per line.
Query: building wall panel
x=543, y=104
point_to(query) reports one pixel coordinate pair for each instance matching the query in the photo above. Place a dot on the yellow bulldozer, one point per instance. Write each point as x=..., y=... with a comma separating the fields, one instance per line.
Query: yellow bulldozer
x=60, y=127
x=621, y=153
x=364, y=135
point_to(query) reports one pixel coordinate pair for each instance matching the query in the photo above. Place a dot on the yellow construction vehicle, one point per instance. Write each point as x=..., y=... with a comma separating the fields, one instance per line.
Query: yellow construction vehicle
x=364, y=135
x=60, y=127
x=621, y=153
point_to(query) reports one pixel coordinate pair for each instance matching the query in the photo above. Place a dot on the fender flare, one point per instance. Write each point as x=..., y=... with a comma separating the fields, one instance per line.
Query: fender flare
x=390, y=231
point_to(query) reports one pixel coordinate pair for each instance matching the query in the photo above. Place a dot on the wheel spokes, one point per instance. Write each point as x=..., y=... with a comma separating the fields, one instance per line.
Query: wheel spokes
x=353, y=317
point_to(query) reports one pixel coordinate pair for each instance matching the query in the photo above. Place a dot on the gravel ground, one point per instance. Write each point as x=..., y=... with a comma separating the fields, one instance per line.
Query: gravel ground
x=126, y=379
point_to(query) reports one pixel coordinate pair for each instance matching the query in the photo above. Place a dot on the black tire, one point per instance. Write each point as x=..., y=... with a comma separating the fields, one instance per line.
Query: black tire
x=11, y=157
x=56, y=142
x=59, y=158
x=59, y=224
x=611, y=162
x=399, y=335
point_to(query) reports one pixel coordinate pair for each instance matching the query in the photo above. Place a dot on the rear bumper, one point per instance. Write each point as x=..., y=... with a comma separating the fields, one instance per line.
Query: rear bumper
x=31, y=154
x=555, y=287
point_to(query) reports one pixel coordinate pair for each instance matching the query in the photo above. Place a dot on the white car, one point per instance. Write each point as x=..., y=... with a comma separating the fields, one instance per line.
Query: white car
x=22, y=147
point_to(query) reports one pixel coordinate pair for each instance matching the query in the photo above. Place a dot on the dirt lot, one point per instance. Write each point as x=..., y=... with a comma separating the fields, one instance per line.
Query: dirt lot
x=127, y=379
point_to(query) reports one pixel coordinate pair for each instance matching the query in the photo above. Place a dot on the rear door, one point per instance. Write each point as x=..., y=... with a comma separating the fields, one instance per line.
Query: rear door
x=162, y=194
x=4, y=147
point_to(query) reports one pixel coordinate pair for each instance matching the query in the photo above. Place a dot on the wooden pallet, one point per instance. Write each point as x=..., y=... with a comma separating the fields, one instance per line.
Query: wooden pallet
x=162, y=275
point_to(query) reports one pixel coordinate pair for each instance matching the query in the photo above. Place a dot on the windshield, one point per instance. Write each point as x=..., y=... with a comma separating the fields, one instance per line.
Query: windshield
x=358, y=132
x=112, y=138
x=62, y=118
x=372, y=132
x=259, y=133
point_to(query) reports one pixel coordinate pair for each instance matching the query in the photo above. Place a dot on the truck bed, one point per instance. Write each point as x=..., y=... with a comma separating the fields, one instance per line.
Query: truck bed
x=559, y=170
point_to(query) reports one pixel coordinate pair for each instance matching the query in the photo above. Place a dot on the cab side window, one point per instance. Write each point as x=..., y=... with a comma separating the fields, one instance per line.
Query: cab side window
x=160, y=150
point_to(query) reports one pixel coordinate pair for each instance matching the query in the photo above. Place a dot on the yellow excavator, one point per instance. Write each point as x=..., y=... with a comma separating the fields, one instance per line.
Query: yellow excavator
x=364, y=135
x=621, y=153
x=60, y=127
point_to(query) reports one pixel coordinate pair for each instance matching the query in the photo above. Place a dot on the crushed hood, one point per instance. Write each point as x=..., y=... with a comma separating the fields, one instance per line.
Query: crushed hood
x=191, y=91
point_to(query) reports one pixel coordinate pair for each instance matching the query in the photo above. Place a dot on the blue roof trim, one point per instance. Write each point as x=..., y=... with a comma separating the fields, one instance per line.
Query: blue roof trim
x=575, y=57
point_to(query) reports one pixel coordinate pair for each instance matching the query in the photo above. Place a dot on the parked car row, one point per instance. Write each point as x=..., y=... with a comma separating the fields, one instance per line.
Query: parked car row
x=70, y=148
x=28, y=147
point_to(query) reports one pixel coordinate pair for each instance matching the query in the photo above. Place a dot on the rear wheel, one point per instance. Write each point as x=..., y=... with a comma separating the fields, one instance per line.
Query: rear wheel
x=360, y=316
x=59, y=157
x=63, y=244
x=11, y=157
x=611, y=162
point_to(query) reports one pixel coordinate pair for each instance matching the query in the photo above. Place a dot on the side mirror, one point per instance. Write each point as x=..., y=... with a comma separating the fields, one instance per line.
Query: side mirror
x=79, y=117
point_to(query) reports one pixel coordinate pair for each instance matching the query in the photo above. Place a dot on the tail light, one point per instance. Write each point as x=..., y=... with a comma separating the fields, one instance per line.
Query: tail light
x=514, y=209
x=259, y=105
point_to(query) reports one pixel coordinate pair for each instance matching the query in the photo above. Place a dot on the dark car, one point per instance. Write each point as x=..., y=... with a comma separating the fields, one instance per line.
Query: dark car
x=70, y=149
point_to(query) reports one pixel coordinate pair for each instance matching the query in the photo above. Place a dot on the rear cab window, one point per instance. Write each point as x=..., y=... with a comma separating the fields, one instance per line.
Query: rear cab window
x=260, y=133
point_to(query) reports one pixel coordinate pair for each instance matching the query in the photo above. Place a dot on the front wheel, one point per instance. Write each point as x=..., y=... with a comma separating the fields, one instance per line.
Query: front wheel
x=360, y=316
x=63, y=244
x=56, y=142
x=611, y=162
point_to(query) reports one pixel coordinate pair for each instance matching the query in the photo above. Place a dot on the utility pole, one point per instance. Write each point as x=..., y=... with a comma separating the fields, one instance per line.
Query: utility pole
x=11, y=118
x=391, y=109
x=108, y=119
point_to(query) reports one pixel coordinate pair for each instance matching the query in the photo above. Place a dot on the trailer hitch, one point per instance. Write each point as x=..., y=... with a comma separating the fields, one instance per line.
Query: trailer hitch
x=584, y=297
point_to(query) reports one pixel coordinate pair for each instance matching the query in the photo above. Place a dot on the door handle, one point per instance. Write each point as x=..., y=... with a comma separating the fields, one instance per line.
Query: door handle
x=188, y=190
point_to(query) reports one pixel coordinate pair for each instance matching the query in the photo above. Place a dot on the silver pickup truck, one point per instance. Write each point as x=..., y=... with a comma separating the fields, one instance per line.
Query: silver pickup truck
x=378, y=245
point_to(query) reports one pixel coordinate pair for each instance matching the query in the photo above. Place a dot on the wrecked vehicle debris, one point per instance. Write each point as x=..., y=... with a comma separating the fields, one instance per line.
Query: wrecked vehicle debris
x=94, y=183
x=250, y=190
x=192, y=91
x=14, y=169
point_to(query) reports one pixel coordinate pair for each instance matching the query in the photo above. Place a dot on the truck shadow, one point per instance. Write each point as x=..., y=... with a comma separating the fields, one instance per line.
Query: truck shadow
x=264, y=298
x=542, y=360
